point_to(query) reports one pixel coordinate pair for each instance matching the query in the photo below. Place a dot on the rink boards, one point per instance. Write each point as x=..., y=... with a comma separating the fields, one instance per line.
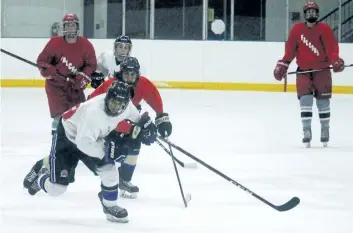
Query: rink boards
x=207, y=65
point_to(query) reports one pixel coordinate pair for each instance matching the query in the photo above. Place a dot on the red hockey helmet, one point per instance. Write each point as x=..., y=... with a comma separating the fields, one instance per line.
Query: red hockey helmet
x=71, y=25
x=311, y=17
x=311, y=5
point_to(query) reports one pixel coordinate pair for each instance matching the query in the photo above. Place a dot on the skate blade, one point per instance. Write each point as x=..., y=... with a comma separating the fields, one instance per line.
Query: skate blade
x=126, y=194
x=324, y=144
x=307, y=145
x=118, y=220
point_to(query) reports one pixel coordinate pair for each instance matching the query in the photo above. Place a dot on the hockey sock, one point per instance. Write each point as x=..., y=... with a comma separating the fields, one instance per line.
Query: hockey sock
x=53, y=189
x=110, y=195
x=306, y=108
x=127, y=168
x=323, y=105
x=126, y=171
x=42, y=180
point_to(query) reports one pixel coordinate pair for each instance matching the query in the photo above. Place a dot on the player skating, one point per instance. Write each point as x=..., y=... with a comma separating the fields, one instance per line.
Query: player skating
x=143, y=90
x=106, y=129
x=314, y=46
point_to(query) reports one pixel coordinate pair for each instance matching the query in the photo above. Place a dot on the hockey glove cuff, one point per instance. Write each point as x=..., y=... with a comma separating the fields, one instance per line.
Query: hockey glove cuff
x=97, y=79
x=145, y=130
x=338, y=66
x=81, y=81
x=164, y=125
x=280, y=70
x=113, y=152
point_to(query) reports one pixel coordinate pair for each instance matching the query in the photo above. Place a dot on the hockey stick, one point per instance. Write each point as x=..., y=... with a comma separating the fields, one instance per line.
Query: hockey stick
x=31, y=63
x=182, y=164
x=186, y=199
x=315, y=70
x=287, y=206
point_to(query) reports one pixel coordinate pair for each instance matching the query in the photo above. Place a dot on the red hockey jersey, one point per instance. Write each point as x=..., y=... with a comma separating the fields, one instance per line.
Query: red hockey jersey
x=69, y=58
x=144, y=90
x=313, y=48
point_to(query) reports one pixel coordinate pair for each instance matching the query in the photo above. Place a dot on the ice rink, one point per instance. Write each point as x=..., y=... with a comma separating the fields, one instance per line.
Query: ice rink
x=253, y=137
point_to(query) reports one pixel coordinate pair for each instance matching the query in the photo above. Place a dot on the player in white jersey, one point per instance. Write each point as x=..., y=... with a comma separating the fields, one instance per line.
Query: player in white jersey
x=90, y=130
x=108, y=63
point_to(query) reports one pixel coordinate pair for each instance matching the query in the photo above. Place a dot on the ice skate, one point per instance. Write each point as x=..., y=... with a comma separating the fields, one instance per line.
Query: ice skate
x=114, y=213
x=325, y=136
x=32, y=175
x=128, y=190
x=34, y=187
x=307, y=137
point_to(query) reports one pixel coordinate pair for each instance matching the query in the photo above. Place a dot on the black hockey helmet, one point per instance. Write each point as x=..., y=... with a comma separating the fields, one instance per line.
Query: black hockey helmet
x=117, y=98
x=311, y=17
x=129, y=71
x=122, y=47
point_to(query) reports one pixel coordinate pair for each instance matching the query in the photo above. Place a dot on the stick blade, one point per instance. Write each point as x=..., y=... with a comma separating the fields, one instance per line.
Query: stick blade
x=190, y=165
x=289, y=205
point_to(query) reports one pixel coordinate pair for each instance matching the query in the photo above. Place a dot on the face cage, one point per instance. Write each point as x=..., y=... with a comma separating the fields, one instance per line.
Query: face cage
x=73, y=34
x=119, y=54
x=115, y=107
x=311, y=18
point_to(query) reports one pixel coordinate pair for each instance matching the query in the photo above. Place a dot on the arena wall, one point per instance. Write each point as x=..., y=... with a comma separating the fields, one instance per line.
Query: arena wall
x=210, y=65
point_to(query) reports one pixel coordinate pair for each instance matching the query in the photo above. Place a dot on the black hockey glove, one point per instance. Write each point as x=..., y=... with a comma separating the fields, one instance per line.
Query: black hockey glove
x=145, y=130
x=163, y=125
x=113, y=151
x=97, y=79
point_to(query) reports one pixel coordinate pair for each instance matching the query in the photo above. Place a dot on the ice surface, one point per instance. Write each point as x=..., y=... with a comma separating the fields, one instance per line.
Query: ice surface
x=255, y=138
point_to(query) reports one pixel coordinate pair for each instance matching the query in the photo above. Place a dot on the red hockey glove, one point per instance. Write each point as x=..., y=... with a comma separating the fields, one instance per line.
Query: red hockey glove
x=338, y=66
x=280, y=71
x=81, y=81
x=48, y=71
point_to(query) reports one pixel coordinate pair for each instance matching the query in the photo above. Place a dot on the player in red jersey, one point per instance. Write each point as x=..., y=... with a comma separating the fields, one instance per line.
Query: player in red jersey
x=73, y=57
x=314, y=46
x=143, y=90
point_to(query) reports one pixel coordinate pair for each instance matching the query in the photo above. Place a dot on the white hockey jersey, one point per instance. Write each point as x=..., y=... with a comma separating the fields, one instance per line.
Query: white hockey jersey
x=106, y=64
x=87, y=125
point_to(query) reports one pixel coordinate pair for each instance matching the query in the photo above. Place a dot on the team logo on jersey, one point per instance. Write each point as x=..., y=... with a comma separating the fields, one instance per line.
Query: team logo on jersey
x=69, y=65
x=309, y=45
x=64, y=173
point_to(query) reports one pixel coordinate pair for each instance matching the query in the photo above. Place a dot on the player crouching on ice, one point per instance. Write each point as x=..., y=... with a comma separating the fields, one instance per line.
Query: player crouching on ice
x=314, y=46
x=90, y=129
x=143, y=89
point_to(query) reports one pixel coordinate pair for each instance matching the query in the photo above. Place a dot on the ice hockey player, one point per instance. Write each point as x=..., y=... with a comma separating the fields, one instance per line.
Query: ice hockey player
x=92, y=129
x=109, y=62
x=73, y=57
x=314, y=46
x=143, y=90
